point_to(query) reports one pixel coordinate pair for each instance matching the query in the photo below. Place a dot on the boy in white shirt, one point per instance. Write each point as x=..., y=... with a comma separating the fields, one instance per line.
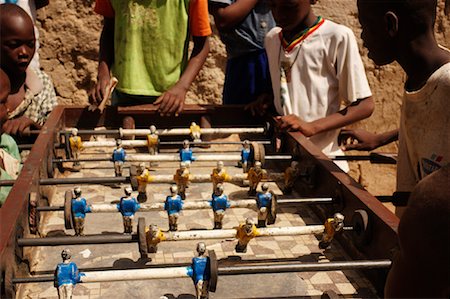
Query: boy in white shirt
x=314, y=66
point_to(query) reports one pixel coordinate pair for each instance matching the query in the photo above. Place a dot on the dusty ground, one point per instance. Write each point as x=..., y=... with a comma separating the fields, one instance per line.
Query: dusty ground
x=69, y=50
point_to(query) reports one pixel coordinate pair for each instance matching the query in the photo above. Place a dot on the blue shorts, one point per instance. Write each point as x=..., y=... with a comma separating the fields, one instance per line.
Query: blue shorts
x=246, y=77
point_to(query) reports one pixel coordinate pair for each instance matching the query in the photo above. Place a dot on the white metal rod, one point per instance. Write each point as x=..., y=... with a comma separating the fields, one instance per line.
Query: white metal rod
x=135, y=274
x=181, y=131
x=292, y=230
x=176, y=157
x=191, y=205
x=112, y=143
x=231, y=233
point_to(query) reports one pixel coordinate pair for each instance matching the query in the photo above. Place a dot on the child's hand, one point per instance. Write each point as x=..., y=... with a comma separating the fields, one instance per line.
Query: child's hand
x=261, y=105
x=172, y=101
x=358, y=139
x=99, y=90
x=292, y=122
x=17, y=125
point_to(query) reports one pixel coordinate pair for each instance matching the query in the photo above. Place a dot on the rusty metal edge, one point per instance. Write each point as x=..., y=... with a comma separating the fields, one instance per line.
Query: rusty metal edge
x=13, y=213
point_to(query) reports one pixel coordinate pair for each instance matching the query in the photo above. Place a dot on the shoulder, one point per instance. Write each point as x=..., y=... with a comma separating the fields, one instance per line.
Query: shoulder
x=43, y=77
x=333, y=30
x=443, y=78
x=273, y=33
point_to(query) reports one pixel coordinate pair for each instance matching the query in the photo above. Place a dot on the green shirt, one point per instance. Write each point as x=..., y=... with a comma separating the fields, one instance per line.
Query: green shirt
x=150, y=45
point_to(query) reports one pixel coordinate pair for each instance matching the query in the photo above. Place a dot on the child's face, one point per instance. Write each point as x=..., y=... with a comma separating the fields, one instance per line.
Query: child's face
x=288, y=14
x=17, y=44
x=374, y=34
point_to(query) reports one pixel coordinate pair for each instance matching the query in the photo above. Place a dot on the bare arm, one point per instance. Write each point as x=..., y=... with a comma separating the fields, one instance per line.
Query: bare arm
x=421, y=268
x=172, y=100
x=356, y=111
x=226, y=18
x=106, y=58
x=362, y=140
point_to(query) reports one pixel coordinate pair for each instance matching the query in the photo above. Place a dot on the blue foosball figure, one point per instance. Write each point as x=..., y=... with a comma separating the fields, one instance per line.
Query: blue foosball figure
x=119, y=155
x=66, y=276
x=200, y=272
x=79, y=210
x=186, y=153
x=128, y=206
x=264, y=204
x=173, y=205
x=219, y=204
x=245, y=155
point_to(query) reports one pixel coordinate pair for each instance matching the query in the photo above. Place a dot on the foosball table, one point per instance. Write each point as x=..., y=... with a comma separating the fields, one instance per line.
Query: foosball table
x=130, y=204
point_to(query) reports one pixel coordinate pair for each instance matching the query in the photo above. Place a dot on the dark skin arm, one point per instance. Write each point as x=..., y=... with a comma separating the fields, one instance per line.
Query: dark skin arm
x=17, y=126
x=358, y=110
x=106, y=58
x=172, y=101
x=362, y=140
x=421, y=268
x=227, y=17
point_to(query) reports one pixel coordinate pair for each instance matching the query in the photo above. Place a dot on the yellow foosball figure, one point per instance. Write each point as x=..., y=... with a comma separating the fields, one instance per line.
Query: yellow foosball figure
x=143, y=179
x=76, y=146
x=153, y=141
x=154, y=236
x=196, y=132
x=244, y=233
x=181, y=178
x=332, y=226
x=254, y=176
x=219, y=175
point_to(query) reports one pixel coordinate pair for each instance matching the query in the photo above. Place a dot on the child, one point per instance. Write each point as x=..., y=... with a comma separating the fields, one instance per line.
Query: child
x=314, y=64
x=32, y=96
x=9, y=152
x=30, y=6
x=403, y=31
x=145, y=45
x=243, y=24
x=425, y=120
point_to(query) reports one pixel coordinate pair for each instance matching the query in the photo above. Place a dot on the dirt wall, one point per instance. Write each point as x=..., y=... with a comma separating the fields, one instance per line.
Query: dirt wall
x=69, y=48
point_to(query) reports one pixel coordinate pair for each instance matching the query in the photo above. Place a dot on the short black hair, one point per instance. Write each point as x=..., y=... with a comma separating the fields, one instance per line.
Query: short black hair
x=420, y=15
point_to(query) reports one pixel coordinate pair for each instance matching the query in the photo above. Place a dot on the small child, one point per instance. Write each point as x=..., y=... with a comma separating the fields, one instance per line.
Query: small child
x=144, y=44
x=32, y=96
x=30, y=6
x=243, y=24
x=314, y=65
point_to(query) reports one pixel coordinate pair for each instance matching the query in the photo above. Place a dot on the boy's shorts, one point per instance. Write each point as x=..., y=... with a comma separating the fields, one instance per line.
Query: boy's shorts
x=246, y=77
x=124, y=99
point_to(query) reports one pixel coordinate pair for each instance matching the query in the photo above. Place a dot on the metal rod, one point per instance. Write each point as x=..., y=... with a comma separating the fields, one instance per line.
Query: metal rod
x=198, y=178
x=222, y=270
x=144, y=143
x=376, y=158
x=192, y=205
x=164, y=132
x=304, y=267
x=77, y=240
x=169, y=236
x=175, y=158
